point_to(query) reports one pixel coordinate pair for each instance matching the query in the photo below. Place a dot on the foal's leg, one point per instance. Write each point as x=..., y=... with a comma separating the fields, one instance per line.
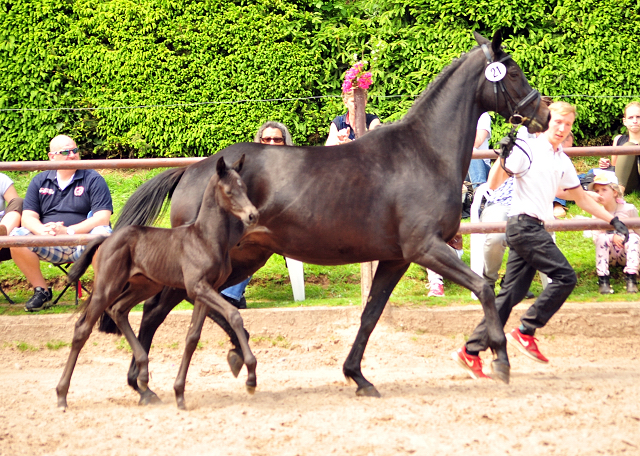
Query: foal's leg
x=193, y=336
x=440, y=258
x=155, y=311
x=82, y=331
x=119, y=311
x=387, y=276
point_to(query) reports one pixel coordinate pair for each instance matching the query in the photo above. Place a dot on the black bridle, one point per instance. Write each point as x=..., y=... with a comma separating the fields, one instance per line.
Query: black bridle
x=515, y=118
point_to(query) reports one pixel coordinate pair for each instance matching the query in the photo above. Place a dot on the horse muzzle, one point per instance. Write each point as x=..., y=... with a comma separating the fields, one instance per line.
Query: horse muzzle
x=250, y=218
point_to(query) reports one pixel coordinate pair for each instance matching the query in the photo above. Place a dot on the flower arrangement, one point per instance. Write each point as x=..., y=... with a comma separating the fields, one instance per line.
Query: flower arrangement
x=356, y=77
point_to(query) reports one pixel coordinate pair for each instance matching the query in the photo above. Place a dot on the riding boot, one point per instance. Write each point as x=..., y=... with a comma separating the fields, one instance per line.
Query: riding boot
x=603, y=282
x=632, y=283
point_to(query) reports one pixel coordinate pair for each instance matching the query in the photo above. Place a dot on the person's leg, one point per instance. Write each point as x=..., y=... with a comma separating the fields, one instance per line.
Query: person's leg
x=236, y=291
x=12, y=215
x=495, y=244
x=27, y=261
x=627, y=172
x=435, y=285
x=478, y=172
x=604, y=255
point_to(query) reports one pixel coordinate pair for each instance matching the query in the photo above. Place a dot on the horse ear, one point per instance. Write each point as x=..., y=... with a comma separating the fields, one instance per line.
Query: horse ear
x=496, y=42
x=237, y=166
x=221, y=167
x=479, y=38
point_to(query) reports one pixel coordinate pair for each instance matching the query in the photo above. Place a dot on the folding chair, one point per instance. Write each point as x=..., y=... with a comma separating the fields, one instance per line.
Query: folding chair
x=5, y=255
x=64, y=267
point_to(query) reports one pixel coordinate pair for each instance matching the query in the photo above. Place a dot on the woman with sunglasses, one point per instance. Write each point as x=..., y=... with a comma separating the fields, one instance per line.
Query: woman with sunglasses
x=275, y=134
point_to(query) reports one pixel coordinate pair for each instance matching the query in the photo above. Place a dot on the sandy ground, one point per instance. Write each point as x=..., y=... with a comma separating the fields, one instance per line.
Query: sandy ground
x=586, y=401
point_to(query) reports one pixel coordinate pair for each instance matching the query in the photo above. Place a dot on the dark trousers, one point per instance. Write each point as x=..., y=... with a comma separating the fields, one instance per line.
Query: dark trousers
x=531, y=249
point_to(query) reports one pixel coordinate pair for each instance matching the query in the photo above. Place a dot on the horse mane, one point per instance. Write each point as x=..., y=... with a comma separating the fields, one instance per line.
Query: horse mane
x=434, y=86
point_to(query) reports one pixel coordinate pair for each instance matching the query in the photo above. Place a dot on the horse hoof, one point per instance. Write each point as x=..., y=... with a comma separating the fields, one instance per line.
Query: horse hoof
x=62, y=404
x=368, y=391
x=251, y=389
x=149, y=398
x=501, y=371
x=236, y=361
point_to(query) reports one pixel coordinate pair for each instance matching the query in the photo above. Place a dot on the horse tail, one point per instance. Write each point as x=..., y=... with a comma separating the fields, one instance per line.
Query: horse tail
x=80, y=266
x=146, y=204
x=107, y=325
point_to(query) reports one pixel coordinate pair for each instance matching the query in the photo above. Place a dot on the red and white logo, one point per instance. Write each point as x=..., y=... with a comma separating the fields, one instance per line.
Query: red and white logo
x=46, y=191
x=78, y=191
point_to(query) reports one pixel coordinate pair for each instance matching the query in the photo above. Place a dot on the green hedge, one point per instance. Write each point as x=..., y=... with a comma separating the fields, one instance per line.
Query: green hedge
x=100, y=54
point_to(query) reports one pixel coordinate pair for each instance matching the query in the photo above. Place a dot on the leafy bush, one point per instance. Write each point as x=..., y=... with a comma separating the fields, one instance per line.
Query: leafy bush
x=169, y=56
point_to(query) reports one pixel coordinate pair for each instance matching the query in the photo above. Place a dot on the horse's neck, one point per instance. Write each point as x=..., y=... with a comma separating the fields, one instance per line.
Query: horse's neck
x=448, y=115
x=212, y=221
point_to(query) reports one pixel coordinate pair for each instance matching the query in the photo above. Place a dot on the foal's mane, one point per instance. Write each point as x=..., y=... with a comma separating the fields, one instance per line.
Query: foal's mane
x=434, y=87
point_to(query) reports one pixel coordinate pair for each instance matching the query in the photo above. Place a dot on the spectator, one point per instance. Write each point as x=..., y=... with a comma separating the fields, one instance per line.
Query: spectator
x=626, y=166
x=560, y=205
x=610, y=246
x=479, y=167
x=436, y=285
x=60, y=202
x=273, y=133
x=340, y=131
x=10, y=206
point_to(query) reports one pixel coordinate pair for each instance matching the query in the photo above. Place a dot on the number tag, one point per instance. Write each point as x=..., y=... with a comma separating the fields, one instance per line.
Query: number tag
x=495, y=72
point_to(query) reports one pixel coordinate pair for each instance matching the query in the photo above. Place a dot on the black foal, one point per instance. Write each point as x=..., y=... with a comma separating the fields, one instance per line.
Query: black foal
x=136, y=262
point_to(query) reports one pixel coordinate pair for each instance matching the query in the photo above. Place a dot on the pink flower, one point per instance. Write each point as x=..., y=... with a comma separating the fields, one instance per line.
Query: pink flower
x=364, y=81
x=355, y=76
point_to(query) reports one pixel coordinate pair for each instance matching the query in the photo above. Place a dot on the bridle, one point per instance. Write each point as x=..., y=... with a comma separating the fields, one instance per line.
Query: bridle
x=515, y=118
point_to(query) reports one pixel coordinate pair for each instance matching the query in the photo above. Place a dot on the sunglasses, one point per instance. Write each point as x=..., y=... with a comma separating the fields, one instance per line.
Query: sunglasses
x=66, y=152
x=275, y=140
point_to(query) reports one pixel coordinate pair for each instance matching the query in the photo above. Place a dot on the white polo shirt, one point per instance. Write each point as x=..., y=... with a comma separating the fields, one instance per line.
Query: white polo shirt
x=535, y=189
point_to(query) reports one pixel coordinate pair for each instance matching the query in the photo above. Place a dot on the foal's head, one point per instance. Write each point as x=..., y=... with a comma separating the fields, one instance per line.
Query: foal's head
x=231, y=192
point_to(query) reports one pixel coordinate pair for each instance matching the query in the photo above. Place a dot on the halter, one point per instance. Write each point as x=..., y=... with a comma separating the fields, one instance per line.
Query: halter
x=515, y=118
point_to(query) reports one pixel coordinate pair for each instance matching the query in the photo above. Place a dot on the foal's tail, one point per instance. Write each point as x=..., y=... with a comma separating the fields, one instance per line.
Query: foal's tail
x=145, y=205
x=80, y=266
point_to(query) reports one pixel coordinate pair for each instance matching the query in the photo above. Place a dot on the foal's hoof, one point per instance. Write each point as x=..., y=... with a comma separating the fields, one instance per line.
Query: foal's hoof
x=501, y=371
x=62, y=403
x=236, y=361
x=251, y=389
x=149, y=398
x=368, y=391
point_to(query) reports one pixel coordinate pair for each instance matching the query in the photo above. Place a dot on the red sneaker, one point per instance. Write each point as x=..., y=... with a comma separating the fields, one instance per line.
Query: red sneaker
x=471, y=364
x=527, y=345
x=436, y=290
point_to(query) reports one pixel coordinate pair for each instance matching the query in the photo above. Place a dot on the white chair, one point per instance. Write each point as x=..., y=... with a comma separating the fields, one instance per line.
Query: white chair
x=296, y=275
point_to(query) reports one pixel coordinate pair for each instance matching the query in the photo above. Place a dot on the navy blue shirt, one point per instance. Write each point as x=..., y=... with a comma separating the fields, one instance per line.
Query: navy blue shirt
x=341, y=123
x=88, y=192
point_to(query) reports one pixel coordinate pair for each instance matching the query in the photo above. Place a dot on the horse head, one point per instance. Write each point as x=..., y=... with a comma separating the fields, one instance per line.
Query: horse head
x=504, y=88
x=232, y=192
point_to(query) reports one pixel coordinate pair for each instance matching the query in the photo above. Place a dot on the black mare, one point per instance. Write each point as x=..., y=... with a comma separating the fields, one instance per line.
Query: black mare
x=137, y=262
x=392, y=196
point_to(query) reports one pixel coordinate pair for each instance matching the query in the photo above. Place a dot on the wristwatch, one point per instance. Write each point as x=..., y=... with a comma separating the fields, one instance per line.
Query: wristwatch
x=71, y=231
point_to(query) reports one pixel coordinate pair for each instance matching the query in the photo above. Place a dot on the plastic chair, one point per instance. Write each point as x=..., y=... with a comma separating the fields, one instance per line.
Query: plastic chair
x=64, y=267
x=5, y=255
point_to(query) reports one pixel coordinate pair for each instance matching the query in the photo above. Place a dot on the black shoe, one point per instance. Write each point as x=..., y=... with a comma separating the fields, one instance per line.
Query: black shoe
x=529, y=295
x=41, y=299
x=237, y=303
x=604, y=286
x=632, y=283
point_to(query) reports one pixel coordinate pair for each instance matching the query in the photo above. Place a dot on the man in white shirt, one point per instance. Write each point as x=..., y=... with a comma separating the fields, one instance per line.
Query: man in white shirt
x=540, y=173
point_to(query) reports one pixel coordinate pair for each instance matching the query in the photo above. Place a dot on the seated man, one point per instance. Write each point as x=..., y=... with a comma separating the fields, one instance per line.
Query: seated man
x=65, y=201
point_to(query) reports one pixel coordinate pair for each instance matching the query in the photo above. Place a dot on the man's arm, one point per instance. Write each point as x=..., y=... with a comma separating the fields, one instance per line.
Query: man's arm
x=588, y=204
x=100, y=218
x=481, y=135
x=564, y=194
x=31, y=221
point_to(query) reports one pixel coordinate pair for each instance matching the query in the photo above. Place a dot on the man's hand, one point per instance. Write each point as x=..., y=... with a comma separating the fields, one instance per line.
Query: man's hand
x=596, y=197
x=620, y=228
x=604, y=163
x=54, y=228
x=343, y=135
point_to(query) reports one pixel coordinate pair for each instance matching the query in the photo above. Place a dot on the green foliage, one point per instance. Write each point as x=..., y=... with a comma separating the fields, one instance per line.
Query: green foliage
x=97, y=54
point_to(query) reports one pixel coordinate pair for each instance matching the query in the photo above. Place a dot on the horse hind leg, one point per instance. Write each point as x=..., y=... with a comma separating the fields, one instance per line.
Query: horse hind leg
x=235, y=358
x=81, y=334
x=444, y=261
x=387, y=276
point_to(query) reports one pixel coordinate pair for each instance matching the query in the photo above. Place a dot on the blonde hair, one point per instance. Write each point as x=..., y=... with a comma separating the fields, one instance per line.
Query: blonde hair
x=633, y=104
x=616, y=188
x=349, y=94
x=563, y=108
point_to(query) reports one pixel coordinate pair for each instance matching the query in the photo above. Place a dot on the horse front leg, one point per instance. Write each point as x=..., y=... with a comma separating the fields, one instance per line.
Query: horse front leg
x=154, y=312
x=387, y=276
x=193, y=337
x=442, y=259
